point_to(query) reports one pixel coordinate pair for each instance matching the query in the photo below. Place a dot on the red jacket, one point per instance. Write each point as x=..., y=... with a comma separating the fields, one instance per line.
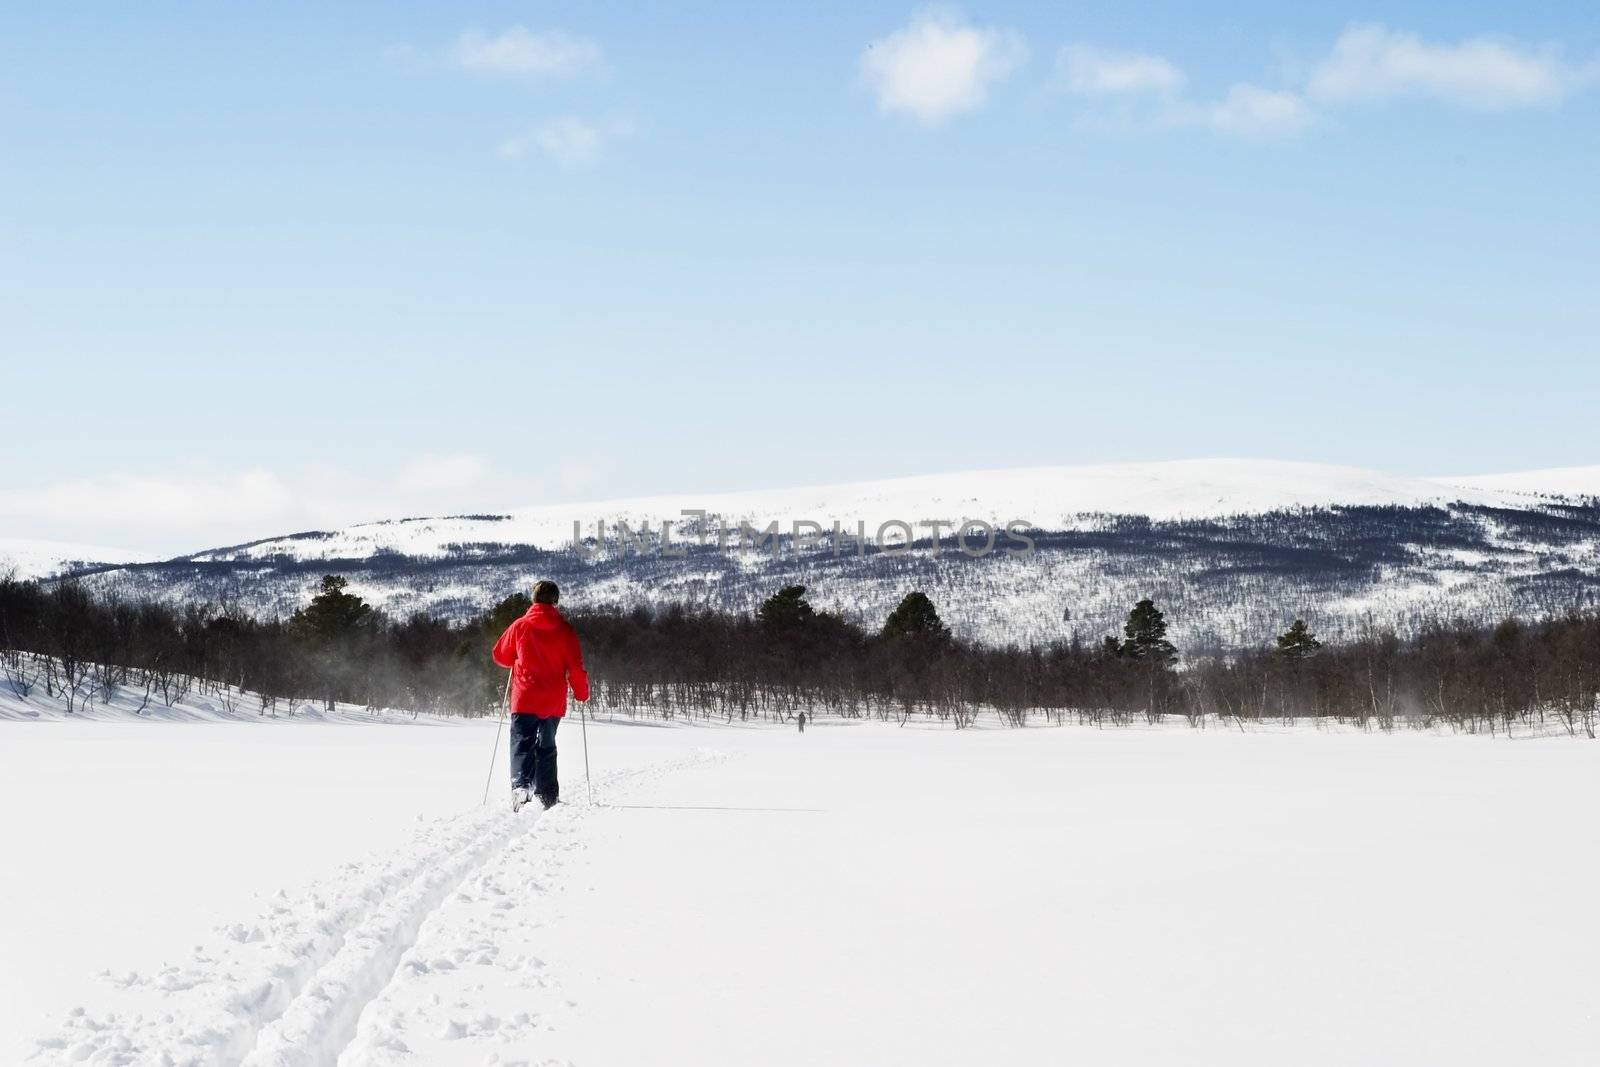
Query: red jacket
x=542, y=651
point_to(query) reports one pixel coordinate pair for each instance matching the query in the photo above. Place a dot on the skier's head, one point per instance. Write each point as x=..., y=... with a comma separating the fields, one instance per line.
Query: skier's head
x=546, y=593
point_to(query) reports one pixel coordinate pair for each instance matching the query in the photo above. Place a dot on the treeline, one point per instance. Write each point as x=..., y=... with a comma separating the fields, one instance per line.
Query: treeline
x=788, y=657
x=335, y=649
x=1538, y=674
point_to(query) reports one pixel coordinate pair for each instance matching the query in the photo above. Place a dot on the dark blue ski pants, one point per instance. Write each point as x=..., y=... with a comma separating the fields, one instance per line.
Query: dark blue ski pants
x=533, y=755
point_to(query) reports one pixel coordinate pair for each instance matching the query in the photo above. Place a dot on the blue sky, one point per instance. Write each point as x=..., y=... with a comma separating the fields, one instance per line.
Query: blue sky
x=284, y=266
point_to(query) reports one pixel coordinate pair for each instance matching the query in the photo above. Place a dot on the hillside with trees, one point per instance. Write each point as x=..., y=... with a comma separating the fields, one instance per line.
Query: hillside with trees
x=1226, y=582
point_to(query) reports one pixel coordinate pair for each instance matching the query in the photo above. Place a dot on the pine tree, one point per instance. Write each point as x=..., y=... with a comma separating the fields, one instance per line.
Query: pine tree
x=1298, y=642
x=787, y=609
x=333, y=613
x=334, y=629
x=1146, y=633
x=915, y=617
x=505, y=613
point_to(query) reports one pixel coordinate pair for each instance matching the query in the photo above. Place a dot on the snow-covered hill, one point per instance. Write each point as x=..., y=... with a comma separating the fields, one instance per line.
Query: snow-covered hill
x=1049, y=498
x=1574, y=482
x=1233, y=548
x=45, y=559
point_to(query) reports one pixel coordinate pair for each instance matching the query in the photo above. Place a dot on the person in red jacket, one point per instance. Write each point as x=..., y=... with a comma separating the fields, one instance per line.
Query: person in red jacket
x=542, y=651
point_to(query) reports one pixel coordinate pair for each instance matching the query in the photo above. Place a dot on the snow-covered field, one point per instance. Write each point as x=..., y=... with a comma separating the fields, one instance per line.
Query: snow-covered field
x=305, y=893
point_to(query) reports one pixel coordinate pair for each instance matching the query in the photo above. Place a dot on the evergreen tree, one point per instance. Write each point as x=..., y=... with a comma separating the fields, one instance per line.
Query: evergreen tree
x=483, y=679
x=787, y=609
x=335, y=629
x=915, y=617
x=1146, y=633
x=333, y=614
x=505, y=613
x=1298, y=642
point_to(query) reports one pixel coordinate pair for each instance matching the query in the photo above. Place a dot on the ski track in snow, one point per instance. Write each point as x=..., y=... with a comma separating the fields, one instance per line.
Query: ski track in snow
x=339, y=973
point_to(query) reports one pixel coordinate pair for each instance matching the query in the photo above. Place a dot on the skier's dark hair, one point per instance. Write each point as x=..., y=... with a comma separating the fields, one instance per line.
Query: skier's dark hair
x=546, y=593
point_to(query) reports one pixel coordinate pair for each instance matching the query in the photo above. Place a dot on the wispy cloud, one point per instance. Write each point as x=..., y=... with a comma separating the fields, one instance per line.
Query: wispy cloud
x=519, y=52
x=1373, y=62
x=1130, y=91
x=1247, y=111
x=189, y=510
x=567, y=140
x=938, y=66
x=1090, y=71
x=1134, y=91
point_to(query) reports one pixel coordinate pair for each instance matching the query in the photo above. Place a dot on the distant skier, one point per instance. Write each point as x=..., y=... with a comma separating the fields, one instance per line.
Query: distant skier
x=542, y=651
x=802, y=721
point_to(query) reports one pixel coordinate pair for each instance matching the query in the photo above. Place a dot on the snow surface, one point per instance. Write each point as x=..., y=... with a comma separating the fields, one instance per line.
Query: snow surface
x=858, y=894
x=1575, y=482
x=45, y=559
x=1051, y=498
x=202, y=702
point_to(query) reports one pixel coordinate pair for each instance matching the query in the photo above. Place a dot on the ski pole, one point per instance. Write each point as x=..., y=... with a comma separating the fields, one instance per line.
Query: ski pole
x=583, y=712
x=495, y=751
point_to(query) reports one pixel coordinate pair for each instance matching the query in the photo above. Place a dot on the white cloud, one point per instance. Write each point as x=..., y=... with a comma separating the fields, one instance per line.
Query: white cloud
x=1249, y=111
x=144, y=502
x=523, y=53
x=1372, y=62
x=1090, y=71
x=190, y=510
x=568, y=140
x=1141, y=92
x=1368, y=62
x=938, y=67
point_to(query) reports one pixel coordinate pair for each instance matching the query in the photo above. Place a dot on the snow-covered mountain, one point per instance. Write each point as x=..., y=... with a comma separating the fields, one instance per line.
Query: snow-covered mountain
x=1233, y=548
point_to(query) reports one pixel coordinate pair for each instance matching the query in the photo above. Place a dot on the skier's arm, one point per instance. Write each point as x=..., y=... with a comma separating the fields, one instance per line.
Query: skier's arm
x=505, y=649
x=576, y=675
